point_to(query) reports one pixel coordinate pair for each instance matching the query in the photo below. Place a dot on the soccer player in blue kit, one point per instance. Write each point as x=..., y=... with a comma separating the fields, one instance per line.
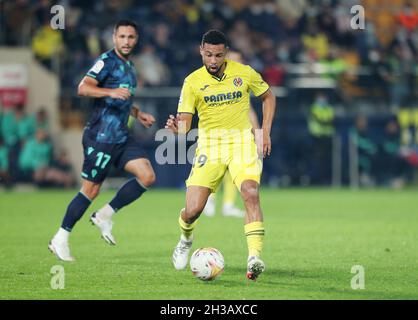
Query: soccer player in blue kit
x=106, y=141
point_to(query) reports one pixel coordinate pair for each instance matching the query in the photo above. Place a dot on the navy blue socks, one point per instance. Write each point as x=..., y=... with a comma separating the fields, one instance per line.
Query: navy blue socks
x=75, y=211
x=128, y=193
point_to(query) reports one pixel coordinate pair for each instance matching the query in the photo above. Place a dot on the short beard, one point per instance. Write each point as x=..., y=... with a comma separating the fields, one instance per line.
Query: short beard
x=123, y=54
x=213, y=73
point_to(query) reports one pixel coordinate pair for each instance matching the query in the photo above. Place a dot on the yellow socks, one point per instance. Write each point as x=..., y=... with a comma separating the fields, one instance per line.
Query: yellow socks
x=254, y=232
x=186, y=228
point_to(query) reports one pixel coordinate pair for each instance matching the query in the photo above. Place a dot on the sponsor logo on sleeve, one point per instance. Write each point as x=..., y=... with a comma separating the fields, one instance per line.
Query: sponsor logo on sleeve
x=98, y=66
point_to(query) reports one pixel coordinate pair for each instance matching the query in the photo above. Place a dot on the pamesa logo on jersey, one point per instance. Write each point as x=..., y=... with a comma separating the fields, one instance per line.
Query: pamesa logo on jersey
x=223, y=97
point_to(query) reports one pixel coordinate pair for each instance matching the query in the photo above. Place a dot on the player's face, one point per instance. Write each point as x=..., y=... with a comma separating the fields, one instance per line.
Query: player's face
x=213, y=56
x=125, y=39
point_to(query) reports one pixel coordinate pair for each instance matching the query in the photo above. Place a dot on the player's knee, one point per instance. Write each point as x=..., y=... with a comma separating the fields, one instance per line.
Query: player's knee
x=148, y=179
x=249, y=192
x=91, y=192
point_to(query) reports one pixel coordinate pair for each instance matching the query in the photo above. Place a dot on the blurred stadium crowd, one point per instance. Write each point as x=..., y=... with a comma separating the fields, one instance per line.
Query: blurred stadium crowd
x=270, y=34
x=333, y=76
x=26, y=152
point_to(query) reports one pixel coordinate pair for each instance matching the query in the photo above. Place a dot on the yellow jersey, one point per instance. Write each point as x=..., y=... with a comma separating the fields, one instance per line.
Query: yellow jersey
x=221, y=103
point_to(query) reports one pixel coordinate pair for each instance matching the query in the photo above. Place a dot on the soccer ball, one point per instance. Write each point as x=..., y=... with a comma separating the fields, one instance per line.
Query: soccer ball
x=207, y=263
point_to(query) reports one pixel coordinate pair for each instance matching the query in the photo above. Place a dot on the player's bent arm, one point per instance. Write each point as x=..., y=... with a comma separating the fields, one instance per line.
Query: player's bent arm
x=269, y=109
x=146, y=119
x=135, y=110
x=88, y=87
x=184, y=120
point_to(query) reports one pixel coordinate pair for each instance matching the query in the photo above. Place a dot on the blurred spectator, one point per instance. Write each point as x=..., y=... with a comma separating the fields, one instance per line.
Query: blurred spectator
x=10, y=133
x=35, y=155
x=404, y=43
x=393, y=168
x=408, y=18
x=326, y=22
x=42, y=121
x=73, y=37
x=273, y=72
x=366, y=40
x=293, y=9
x=380, y=72
x=366, y=151
x=153, y=71
x=46, y=44
x=262, y=17
x=42, y=11
x=4, y=164
x=58, y=174
x=321, y=129
x=9, y=130
x=239, y=39
x=343, y=16
x=334, y=65
x=162, y=42
x=400, y=72
x=25, y=124
x=316, y=44
x=93, y=41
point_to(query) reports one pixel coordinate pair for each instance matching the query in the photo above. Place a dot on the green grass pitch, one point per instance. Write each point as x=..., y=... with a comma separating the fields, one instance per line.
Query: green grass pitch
x=313, y=239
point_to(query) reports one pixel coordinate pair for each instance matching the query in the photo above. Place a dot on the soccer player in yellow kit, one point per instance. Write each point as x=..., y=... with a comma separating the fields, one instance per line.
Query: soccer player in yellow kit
x=229, y=190
x=220, y=93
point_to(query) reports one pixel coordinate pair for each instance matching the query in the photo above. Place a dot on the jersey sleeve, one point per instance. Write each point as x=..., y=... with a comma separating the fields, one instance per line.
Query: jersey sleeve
x=257, y=85
x=100, y=69
x=187, y=101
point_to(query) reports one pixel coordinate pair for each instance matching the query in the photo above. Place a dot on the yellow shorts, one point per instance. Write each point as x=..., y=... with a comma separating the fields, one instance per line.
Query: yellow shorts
x=212, y=160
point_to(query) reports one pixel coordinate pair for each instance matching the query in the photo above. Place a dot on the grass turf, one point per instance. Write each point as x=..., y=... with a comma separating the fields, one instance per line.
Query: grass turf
x=313, y=238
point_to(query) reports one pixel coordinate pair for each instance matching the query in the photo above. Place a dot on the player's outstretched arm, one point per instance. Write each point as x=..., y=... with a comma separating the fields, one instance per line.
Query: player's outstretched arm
x=180, y=123
x=88, y=87
x=146, y=119
x=269, y=108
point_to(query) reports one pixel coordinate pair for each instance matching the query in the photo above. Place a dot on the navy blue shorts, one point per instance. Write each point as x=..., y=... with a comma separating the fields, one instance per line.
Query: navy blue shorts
x=99, y=157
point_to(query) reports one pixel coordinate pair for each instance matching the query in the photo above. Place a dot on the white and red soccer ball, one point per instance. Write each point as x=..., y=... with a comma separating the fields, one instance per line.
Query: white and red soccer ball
x=207, y=263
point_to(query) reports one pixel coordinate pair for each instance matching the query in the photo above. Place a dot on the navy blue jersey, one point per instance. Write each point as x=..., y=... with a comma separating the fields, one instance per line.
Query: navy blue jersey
x=108, y=122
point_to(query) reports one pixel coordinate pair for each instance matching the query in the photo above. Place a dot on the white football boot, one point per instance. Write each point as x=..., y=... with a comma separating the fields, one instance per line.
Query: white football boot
x=105, y=226
x=181, y=253
x=255, y=266
x=61, y=249
x=229, y=210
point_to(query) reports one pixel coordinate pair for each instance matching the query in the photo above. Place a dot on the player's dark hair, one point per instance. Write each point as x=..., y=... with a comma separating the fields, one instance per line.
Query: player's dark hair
x=126, y=23
x=214, y=37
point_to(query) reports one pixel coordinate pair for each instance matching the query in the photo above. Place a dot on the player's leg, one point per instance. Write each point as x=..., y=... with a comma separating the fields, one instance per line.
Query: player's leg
x=230, y=193
x=246, y=174
x=196, y=198
x=204, y=178
x=59, y=244
x=144, y=177
x=132, y=160
x=253, y=228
